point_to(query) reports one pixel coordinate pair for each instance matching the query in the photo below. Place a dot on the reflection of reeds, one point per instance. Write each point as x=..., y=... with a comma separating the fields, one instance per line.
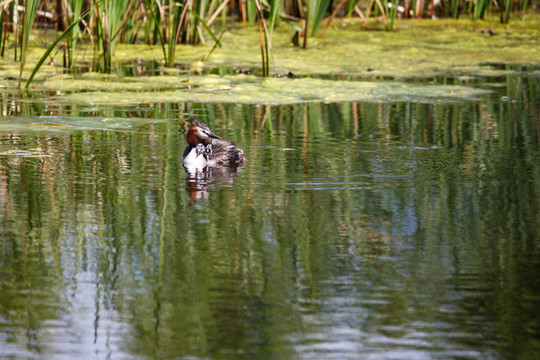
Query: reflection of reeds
x=110, y=205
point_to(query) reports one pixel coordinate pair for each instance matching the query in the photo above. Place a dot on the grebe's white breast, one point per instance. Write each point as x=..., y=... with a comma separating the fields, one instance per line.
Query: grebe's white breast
x=195, y=160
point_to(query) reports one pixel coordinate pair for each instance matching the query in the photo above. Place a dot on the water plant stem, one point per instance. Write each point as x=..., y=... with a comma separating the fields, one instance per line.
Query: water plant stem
x=53, y=46
x=264, y=38
x=31, y=7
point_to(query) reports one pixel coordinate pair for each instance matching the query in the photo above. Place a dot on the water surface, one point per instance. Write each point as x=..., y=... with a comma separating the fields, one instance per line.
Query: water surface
x=390, y=230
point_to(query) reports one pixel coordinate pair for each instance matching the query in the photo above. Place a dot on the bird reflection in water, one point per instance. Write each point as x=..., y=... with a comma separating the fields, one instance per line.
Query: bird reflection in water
x=200, y=182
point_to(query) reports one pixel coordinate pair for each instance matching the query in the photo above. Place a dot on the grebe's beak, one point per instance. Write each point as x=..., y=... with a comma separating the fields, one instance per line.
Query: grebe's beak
x=211, y=134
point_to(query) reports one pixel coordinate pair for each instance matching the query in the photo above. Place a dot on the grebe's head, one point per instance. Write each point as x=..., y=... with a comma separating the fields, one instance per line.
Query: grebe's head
x=199, y=133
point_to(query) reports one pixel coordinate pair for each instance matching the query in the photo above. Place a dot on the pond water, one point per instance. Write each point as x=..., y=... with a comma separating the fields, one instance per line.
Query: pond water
x=356, y=230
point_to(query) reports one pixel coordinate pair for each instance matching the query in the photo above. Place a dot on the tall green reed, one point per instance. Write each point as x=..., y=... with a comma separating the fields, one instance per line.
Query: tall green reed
x=31, y=7
x=505, y=10
x=266, y=31
x=53, y=46
x=350, y=7
x=264, y=38
x=173, y=24
x=153, y=30
x=480, y=7
x=276, y=7
x=2, y=30
x=454, y=6
x=252, y=11
x=181, y=23
x=110, y=18
x=317, y=10
x=313, y=16
x=392, y=14
x=73, y=14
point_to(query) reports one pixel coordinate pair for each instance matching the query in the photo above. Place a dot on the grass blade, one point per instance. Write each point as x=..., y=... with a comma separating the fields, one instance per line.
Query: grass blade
x=275, y=9
x=159, y=33
x=206, y=27
x=31, y=7
x=51, y=48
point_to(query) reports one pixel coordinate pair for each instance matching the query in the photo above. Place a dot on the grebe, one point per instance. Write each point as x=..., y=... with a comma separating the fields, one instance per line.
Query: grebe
x=207, y=149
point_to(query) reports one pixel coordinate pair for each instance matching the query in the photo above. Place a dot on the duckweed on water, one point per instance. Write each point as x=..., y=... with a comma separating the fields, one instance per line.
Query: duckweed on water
x=419, y=49
x=27, y=153
x=247, y=89
x=67, y=124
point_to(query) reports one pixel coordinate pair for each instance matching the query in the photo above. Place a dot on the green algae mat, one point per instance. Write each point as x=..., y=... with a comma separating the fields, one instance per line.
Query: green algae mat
x=369, y=61
x=245, y=89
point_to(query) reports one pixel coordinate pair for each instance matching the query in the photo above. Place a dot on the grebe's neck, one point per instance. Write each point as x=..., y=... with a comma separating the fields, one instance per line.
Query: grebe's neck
x=192, y=137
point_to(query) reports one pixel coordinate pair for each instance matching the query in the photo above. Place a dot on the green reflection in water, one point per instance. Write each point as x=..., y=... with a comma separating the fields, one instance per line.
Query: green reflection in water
x=353, y=229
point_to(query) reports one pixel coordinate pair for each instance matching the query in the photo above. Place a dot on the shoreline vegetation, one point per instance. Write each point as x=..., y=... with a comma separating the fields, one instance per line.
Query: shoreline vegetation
x=67, y=33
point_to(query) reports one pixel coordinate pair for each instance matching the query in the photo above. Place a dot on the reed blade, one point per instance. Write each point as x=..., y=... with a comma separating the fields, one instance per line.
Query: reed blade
x=31, y=7
x=155, y=17
x=53, y=46
x=76, y=7
x=317, y=10
x=2, y=16
x=276, y=7
x=206, y=27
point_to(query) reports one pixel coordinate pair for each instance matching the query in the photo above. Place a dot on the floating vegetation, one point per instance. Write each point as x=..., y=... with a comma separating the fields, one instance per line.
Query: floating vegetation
x=423, y=49
x=461, y=50
x=27, y=153
x=250, y=89
x=67, y=124
x=45, y=124
x=101, y=27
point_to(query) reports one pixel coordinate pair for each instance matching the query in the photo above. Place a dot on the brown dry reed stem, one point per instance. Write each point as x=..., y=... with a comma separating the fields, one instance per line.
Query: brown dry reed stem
x=217, y=12
x=336, y=10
